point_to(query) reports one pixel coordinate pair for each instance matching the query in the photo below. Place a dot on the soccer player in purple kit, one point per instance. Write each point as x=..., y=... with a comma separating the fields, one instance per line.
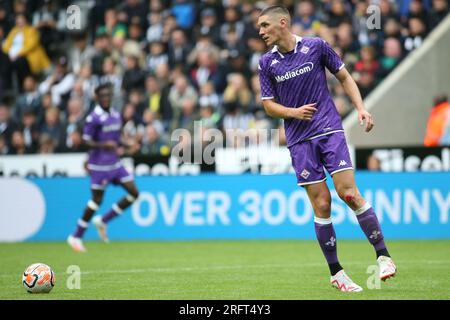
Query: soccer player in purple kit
x=294, y=88
x=102, y=132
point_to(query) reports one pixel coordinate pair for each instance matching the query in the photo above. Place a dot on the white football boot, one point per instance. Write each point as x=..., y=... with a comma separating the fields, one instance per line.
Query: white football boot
x=343, y=282
x=101, y=228
x=76, y=244
x=387, y=267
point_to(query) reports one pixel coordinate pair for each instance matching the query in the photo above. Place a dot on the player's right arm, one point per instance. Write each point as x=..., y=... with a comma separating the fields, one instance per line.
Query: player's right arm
x=90, y=127
x=274, y=109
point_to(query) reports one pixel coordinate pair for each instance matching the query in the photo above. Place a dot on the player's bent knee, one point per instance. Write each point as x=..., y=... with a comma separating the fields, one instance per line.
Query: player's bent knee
x=349, y=195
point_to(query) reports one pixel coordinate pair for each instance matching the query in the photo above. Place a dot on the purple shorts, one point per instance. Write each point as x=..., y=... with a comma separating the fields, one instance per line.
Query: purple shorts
x=100, y=179
x=310, y=157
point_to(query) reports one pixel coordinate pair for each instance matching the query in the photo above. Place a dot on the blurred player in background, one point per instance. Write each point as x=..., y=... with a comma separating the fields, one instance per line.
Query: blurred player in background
x=294, y=87
x=102, y=134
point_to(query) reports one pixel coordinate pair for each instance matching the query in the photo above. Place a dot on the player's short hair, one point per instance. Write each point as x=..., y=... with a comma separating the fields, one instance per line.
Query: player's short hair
x=106, y=85
x=276, y=10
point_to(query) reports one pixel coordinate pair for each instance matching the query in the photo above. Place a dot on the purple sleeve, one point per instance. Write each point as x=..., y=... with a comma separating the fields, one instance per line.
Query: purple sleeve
x=267, y=87
x=330, y=58
x=90, y=127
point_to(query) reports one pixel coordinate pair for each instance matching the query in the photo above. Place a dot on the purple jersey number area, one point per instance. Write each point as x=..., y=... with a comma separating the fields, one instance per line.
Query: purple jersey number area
x=298, y=77
x=102, y=126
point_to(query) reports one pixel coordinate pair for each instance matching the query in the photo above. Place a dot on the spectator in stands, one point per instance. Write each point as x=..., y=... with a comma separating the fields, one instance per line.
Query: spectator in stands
x=153, y=143
x=84, y=86
x=112, y=26
x=232, y=124
x=305, y=17
x=367, y=61
x=236, y=63
x=209, y=96
x=232, y=21
x=82, y=52
x=183, y=98
x=206, y=70
x=232, y=45
x=30, y=130
x=47, y=144
x=185, y=13
x=151, y=117
x=75, y=117
x=338, y=13
x=53, y=128
x=135, y=44
x=416, y=34
x=46, y=104
x=152, y=99
x=29, y=100
x=133, y=130
x=7, y=125
x=257, y=48
x=162, y=74
x=59, y=83
x=392, y=29
x=204, y=43
x=437, y=121
x=25, y=53
x=345, y=39
x=102, y=46
x=438, y=12
x=133, y=12
x=392, y=55
x=387, y=10
x=178, y=47
x=237, y=92
x=18, y=145
x=209, y=106
x=111, y=75
x=74, y=142
x=170, y=24
x=417, y=10
x=155, y=30
x=360, y=23
x=366, y=83
x=45, y=20
x=157, y=56
x=208, y=26
x=6, y=19
x=134, y=76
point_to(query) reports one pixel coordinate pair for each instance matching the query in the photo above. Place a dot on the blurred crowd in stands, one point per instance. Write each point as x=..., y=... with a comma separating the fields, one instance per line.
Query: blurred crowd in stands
x=175, y=62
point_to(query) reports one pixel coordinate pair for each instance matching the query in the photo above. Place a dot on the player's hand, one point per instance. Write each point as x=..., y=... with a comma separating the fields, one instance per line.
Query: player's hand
x=305, y=112
x=364, y=115
x=110, y=145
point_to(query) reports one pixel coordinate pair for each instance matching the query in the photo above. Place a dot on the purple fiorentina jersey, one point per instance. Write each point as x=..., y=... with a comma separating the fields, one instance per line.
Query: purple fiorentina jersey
x=102, y=126
x=298, y=77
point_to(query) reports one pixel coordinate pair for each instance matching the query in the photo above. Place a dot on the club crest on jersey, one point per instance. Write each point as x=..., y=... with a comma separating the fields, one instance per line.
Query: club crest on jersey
x=304, y=68
x=304, y=49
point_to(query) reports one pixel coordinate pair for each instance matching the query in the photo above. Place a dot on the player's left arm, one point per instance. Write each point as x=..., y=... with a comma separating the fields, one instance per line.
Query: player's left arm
x=352, y=90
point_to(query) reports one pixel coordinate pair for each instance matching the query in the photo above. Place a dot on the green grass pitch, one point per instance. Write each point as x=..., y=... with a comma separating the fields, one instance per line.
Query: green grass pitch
x=225, y=270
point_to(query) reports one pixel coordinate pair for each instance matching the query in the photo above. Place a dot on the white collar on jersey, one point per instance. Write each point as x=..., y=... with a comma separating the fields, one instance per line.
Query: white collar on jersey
x=100, y=111
x=297, y=40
